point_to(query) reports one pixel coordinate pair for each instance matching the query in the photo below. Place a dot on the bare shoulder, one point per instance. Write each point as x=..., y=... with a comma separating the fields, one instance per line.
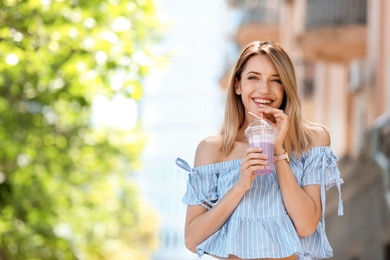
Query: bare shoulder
x=208, y=150
x=320, y=135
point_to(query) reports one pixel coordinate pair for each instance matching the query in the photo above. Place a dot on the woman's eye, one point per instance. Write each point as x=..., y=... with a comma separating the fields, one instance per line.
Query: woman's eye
x=277, y=81
x=252, y=77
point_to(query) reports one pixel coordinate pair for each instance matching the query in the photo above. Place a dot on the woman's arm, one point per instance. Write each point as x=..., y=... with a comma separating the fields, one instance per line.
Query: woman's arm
x=202, y=223
x=303, y=204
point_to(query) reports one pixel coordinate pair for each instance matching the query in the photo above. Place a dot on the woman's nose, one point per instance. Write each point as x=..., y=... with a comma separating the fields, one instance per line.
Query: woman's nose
x=262, y=86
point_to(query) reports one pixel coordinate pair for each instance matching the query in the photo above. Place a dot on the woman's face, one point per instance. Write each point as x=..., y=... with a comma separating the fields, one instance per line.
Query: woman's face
x=260, y=84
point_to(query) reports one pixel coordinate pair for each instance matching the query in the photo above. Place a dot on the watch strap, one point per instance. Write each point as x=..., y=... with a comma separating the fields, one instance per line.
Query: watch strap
x=283, y=156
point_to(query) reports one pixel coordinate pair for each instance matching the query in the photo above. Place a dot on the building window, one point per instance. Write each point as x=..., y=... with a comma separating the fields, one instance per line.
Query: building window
x=357, y=74
x=308, y=79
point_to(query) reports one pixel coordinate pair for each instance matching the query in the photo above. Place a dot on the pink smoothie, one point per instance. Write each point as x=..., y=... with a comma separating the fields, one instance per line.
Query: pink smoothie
x=268, y=149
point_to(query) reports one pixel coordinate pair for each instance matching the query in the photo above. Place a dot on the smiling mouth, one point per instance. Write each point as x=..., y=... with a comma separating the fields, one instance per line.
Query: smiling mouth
x=261, y=101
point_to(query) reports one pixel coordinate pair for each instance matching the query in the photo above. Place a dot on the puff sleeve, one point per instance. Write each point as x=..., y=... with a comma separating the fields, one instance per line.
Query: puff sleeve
x=320, y=167
x=201, y=185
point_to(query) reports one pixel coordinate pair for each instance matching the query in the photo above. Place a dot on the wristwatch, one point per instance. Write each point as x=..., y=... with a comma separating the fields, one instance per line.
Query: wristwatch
x=283, y=156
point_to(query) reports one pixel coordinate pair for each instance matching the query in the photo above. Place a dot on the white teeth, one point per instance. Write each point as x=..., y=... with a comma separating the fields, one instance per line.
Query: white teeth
x=262, y=101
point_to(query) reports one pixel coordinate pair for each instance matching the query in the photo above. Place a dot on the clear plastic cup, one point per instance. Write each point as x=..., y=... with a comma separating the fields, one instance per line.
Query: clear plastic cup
x=261, y=133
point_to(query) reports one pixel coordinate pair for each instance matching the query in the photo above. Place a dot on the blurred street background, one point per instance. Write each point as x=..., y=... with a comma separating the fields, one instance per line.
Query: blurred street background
x=341, y=50
x=98, y=99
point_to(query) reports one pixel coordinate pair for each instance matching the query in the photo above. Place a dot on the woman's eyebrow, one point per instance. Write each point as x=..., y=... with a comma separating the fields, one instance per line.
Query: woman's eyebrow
x=254, y=72
x=258, y=73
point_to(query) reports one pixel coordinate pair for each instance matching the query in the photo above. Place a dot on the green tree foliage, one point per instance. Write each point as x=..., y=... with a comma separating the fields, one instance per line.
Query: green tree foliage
x=66, y=190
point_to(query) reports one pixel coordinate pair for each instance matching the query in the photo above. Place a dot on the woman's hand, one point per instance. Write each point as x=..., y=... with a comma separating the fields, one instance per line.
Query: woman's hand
x=281, y=124
x=254, y=160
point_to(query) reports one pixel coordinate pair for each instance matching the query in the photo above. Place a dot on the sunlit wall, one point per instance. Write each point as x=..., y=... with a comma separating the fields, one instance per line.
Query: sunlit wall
x=183, y=104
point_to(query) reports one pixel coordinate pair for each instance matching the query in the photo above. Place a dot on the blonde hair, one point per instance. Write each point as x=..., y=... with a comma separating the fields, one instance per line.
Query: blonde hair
x=298, y=138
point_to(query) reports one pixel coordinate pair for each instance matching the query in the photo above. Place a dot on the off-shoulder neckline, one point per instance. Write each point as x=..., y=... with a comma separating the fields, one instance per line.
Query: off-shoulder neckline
x=236, y=162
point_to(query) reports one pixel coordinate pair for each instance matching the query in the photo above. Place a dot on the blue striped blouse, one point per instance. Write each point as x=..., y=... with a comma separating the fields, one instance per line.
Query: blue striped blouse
x=260, y=227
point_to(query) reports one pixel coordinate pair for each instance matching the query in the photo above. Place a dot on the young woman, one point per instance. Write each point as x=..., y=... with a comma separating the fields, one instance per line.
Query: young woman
x=234, y=214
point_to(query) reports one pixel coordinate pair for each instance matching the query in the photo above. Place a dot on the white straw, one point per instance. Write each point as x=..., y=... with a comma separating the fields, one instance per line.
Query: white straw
x=254, y=115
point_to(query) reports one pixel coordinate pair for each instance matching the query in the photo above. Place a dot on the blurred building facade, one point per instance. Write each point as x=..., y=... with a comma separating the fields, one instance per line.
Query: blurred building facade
x=182, y=104
x=341, y=50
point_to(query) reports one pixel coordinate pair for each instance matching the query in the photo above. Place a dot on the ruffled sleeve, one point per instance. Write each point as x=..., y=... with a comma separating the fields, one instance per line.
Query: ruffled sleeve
x=320, y=167
x=201, y=185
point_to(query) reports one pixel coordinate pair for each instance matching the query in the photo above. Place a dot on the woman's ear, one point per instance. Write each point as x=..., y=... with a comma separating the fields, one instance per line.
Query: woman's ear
x=237, y=86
